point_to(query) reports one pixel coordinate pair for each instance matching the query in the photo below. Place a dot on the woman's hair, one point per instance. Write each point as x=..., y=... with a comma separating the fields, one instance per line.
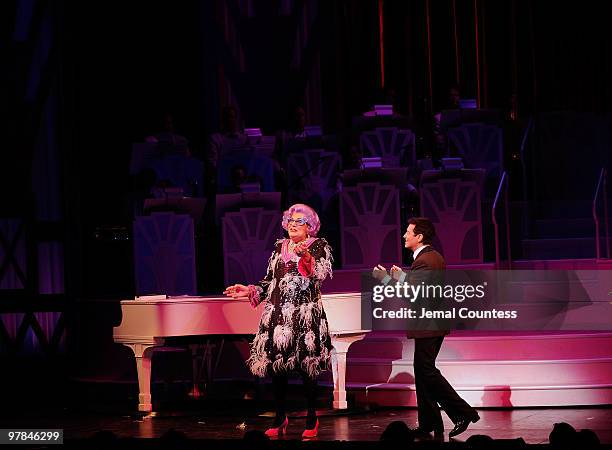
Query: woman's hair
x=311, y=216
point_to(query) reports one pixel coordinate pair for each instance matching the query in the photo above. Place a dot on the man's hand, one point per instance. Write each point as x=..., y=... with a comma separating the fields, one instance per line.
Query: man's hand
x=379, y=272
x=396, y=272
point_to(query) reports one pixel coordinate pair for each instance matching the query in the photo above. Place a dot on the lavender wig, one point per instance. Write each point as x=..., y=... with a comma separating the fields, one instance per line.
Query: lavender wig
x=311, y=216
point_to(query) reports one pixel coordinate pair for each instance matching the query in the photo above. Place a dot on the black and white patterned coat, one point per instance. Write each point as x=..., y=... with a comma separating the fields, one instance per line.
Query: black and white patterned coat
x=293, y=331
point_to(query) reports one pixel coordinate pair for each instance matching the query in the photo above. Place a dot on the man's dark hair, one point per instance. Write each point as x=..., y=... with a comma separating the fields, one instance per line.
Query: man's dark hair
x=422, y=225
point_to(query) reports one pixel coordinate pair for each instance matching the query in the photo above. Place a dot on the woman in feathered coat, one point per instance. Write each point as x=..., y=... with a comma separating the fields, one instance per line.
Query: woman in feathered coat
x=293, y=331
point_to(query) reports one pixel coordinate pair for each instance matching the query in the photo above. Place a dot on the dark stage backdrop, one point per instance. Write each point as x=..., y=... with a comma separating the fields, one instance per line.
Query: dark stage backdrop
x=126, y=63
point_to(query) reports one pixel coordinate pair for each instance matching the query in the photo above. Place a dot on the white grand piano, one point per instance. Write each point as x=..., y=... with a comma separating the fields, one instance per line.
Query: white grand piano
x=146, y=324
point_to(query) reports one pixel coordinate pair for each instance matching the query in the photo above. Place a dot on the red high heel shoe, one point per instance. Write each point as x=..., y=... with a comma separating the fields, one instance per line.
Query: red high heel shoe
x=281, y=429
x=307, y=434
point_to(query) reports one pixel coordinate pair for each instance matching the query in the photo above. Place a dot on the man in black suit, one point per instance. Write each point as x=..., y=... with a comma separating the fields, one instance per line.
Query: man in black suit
x=432, y=388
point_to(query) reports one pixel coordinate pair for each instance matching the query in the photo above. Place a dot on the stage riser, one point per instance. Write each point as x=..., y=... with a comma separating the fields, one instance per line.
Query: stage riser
x=492, y=371
x=348, y=280
x=521, y=347
x=542, y=374
x=393, y=397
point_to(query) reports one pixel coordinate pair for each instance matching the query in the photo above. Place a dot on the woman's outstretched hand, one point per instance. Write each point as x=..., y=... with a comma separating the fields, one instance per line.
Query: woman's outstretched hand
x=237, y=292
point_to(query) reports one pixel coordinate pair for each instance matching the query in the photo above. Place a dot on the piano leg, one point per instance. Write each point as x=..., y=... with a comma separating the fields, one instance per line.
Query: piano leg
x=341, y=345
x=143, y=353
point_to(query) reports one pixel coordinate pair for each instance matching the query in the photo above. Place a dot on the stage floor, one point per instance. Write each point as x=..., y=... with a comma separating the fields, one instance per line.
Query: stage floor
x=533, y=425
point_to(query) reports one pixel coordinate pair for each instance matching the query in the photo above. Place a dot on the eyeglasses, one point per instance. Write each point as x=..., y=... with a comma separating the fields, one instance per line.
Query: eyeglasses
x=300, y=221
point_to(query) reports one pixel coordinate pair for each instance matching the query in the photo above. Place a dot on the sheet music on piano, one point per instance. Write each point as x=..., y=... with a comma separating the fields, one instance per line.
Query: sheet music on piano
x=151, y=297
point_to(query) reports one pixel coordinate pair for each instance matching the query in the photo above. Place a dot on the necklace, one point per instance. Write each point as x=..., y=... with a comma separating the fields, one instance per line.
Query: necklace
x=292, y=244
x=288, y=249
